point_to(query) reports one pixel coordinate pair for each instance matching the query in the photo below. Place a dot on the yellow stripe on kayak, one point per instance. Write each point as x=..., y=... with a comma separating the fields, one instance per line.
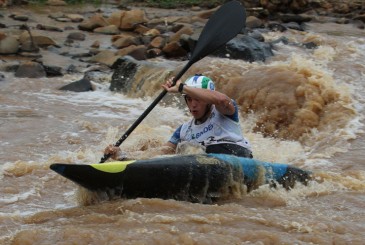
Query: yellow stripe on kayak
x=112, y=167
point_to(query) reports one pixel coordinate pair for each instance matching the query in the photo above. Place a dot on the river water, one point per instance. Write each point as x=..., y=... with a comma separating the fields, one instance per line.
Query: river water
x=303, y=107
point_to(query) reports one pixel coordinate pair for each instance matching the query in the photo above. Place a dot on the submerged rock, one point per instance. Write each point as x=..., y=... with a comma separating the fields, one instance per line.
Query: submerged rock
x=82, y=85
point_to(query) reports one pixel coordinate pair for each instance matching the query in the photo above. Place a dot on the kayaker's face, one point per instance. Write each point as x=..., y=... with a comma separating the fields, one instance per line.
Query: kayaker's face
x=197, y=108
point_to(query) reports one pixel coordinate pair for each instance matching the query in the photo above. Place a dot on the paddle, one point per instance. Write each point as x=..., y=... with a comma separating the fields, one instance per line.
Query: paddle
x=221, y=27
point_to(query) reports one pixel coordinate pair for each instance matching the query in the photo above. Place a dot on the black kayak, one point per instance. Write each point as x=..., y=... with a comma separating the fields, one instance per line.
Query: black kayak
x=196, y=178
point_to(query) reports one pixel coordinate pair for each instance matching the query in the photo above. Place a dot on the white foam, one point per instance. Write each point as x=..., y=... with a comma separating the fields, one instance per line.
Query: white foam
x=17, y=197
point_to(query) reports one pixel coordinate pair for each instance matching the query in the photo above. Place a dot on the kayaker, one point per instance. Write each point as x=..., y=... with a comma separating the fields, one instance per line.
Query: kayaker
x=215, y=123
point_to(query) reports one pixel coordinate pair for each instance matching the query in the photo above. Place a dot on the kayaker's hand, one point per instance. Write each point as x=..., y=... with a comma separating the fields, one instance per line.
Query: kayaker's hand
x=169, y=88
x=115, y=152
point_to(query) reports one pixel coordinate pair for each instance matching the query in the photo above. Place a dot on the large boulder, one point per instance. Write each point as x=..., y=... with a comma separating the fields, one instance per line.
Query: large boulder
x=39, y=39
x=245, y=48
x=123, y=77
x=127, y=20
x=130, y=19
x=94, y=22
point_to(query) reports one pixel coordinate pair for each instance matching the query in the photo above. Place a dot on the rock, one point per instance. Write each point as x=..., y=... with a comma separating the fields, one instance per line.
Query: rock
x=245, y=48
x=56, y=3
x=195, y=8
x=174, y=49
x=108, y=30
x=176, y=36
x=48, y=28
x=158, y=42
x=275, y=26
x=31, y=55
x=69, y=28
x=72, y=69
x=294, y=26
x=29, y=47
x=20, y=17
x=125, y=51
x=11, y=66
x=310, y=45
x=95, y=44
x=152, y=33
x=124, y=70
x=130, y=19
x=145, y=40
x=76, y=18
x=39, y=39
x=207, y=13
x=53, y=71
x=82, y=85
x=253, y=22
x=189, y=41
x=141, y=29
x=153, y=53
x=139, y=53
x=257, y=35
x=115, y=18
x=56, y=15
x=81, y=54
x=286, y=18
x=359, y=24
x=9, y=45
x=77, y=36
x=342, y=21
x=360, y=17
x=2, y=77
x=63, y=19
x=94, y=22
x=30, y=69
x=106, y=57
x=125, y=41
x=176, y=27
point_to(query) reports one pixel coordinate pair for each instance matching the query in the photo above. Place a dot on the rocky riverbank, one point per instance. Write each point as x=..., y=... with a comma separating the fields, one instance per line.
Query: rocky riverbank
x=56, y=39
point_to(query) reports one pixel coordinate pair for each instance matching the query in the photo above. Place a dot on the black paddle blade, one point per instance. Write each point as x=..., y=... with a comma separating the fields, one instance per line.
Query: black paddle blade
x=221, y=27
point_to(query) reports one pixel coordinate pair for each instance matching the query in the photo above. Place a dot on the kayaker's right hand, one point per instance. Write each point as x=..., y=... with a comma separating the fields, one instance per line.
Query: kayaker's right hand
x=169, y=87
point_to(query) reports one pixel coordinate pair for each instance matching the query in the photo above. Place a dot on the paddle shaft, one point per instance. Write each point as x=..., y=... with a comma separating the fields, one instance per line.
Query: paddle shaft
x=147, y=111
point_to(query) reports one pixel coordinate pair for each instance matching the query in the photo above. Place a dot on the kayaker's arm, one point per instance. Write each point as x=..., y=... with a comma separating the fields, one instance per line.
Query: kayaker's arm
x=221, y=101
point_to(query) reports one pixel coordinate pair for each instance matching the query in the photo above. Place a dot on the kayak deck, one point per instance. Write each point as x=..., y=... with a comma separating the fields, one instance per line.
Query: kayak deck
x=195, y=178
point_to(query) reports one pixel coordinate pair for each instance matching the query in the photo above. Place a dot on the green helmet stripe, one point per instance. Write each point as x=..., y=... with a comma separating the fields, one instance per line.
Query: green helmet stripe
x=205, y=82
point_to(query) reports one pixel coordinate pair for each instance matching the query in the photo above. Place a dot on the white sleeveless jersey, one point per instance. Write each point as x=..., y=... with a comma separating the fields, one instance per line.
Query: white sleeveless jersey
x=216, y=129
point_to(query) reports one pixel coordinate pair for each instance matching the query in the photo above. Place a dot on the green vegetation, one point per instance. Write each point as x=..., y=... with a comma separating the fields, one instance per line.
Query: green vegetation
x=182, y=3
x=150, y=3
x=71, y=1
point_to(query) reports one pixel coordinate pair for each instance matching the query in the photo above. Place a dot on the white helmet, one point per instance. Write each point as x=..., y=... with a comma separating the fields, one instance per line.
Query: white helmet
x=200, y=81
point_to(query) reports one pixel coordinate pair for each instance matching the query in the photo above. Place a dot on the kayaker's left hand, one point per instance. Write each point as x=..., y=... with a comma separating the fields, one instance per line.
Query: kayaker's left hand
x=115, y=152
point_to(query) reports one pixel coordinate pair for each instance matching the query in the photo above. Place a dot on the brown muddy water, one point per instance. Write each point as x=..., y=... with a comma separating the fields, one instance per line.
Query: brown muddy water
x=312, y=98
